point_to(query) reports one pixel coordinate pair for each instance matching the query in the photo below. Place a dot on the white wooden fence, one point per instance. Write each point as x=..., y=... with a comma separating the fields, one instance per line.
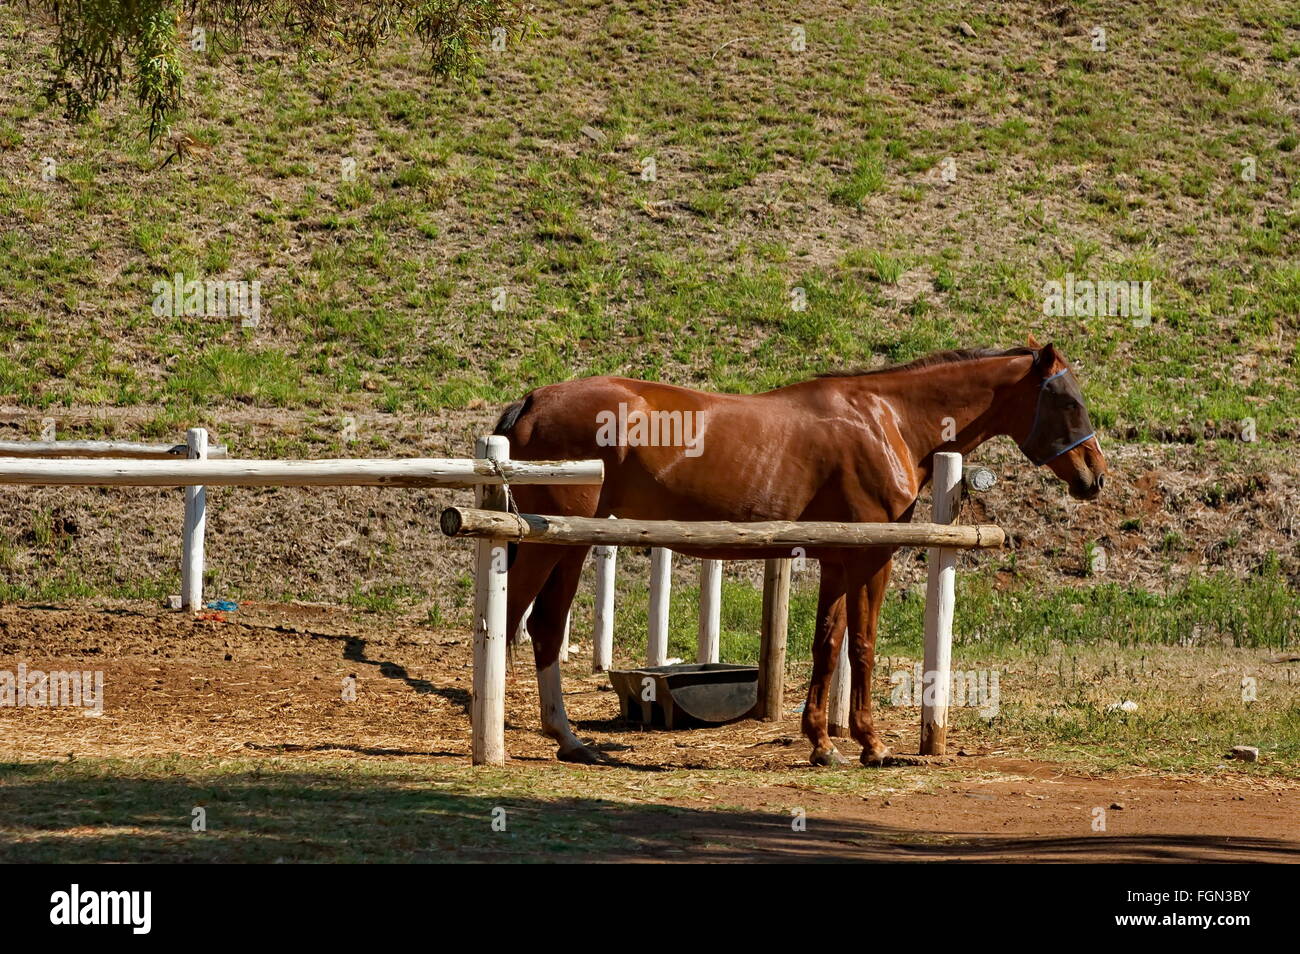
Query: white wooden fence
x=490, y=473
x=195, y=447
x=195, y=465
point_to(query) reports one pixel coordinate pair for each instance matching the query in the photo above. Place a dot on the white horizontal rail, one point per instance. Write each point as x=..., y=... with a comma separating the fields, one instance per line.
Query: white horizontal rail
x=408, y=472
x=117, y=449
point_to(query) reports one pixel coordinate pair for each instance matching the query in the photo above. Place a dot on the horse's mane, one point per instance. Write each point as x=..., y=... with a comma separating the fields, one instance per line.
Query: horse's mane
x=929, y=360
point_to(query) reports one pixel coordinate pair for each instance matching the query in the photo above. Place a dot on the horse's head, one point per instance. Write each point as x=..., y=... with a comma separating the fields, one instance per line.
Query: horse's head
x=1054, y=429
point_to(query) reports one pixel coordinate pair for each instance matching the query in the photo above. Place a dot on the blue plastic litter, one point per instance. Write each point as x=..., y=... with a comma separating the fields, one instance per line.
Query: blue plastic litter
x=225, y=606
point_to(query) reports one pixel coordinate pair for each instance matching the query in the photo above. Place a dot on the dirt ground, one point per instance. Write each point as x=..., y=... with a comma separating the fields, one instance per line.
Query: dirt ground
x=266, y=681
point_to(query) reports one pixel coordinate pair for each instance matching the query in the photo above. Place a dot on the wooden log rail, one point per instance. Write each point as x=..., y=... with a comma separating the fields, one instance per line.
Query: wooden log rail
x=703, y=535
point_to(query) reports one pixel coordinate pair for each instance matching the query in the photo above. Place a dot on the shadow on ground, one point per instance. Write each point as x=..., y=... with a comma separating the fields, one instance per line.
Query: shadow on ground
x=56, y=813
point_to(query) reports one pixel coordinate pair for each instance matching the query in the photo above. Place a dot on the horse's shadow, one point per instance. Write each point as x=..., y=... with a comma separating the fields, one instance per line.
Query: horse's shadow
x=354, y=650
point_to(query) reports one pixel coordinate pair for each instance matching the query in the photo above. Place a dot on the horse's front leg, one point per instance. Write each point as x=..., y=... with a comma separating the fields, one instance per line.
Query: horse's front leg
x=865, y=595
x=825, y=653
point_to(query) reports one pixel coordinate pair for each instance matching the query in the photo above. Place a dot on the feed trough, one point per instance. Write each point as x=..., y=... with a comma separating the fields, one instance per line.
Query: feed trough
x=686, y=694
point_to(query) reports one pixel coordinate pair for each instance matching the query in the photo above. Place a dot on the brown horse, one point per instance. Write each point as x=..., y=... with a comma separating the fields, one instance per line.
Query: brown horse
x=847, y=447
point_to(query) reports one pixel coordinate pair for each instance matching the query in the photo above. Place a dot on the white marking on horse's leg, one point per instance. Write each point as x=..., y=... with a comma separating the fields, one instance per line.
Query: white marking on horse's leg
x=555, y=721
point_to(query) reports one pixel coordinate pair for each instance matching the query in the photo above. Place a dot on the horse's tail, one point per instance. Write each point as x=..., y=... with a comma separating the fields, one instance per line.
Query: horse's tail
x=505, y=424
x=511, y=415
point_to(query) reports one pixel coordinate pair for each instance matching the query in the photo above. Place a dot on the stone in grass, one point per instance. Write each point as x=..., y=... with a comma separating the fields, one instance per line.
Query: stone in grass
x=1128, y=705
x=1244, y=753
x=965, y=29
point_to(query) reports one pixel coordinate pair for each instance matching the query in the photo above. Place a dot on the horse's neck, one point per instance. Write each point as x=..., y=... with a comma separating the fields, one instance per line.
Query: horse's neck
x=951, y=407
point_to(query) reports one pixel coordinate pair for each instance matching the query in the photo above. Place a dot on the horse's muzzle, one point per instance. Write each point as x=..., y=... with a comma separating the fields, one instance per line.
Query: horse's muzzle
x=1087, y=487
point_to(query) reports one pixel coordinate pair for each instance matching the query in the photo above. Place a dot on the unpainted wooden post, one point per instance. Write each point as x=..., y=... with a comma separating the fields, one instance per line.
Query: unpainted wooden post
x=838, y=706
x=707, y=649
x=487, y=707
x=940, y=600
x=776, y=619
x=602, y=637
x=196, y=522
x=661, y=584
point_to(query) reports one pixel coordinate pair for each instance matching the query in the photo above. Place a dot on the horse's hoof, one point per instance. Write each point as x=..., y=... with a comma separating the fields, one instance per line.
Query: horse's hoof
x=828, y=758
x=580, y=755
x=877, y=756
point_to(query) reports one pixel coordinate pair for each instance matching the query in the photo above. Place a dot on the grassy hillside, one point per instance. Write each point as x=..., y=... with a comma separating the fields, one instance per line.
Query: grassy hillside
x=775, y=169
x=655, y=192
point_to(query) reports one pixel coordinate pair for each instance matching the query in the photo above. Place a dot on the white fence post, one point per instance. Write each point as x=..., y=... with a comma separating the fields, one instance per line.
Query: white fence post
x=521, y=631
x=710, y=611
x=196, y=521
x=602, y=637
x=940, y=597
x=564, y=643
x=661, y=582
x=488, y=703
x=838, y=707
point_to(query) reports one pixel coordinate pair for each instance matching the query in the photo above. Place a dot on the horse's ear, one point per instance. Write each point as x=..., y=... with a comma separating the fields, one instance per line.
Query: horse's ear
x=1046, y=357
x=1033, y=342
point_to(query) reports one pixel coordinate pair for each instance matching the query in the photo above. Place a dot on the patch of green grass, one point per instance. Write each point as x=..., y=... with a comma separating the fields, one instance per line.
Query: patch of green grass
x=1191, y=707
x=384, y=597
x=867, y=177
x=262, y=377
x=1257, y=612
x=68, y=584
x=1064, y=657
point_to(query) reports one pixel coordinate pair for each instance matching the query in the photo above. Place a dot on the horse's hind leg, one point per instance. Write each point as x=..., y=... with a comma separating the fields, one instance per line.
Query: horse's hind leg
x=546, y=626
x=528, y=571
x=826, y=649
x=864, y=601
